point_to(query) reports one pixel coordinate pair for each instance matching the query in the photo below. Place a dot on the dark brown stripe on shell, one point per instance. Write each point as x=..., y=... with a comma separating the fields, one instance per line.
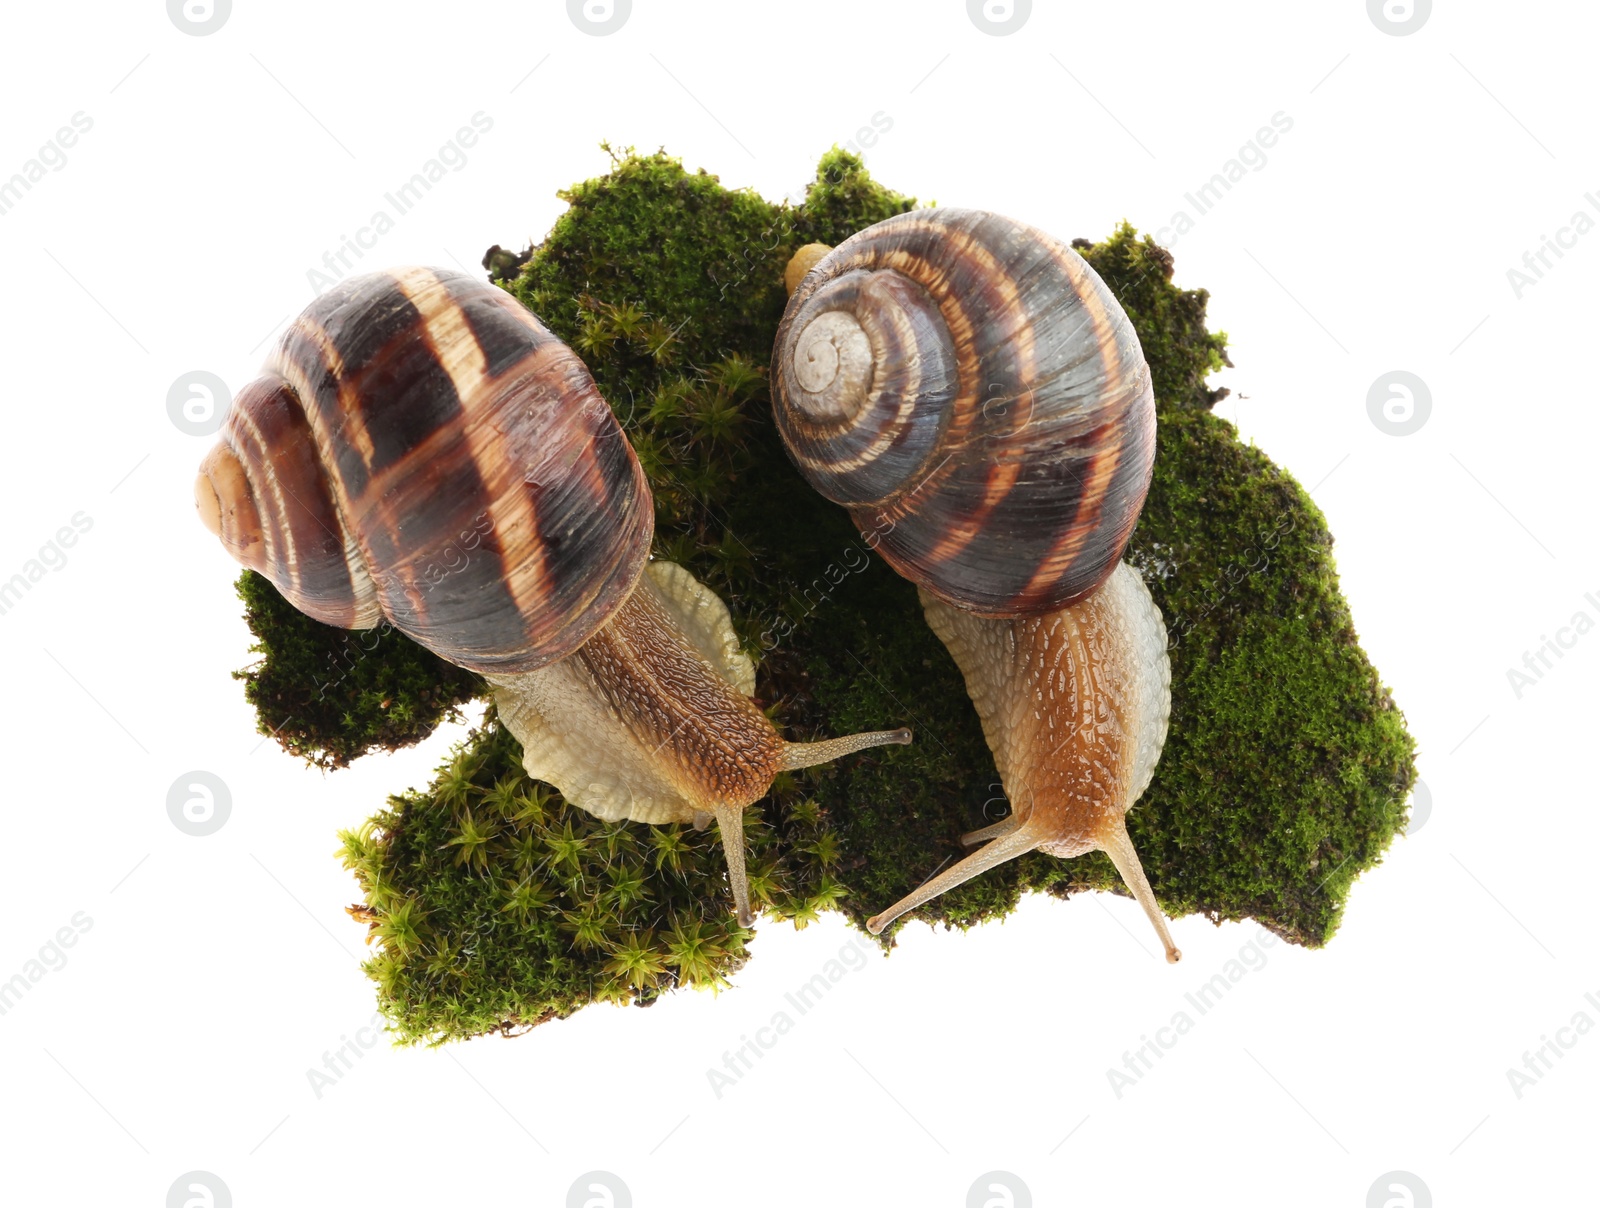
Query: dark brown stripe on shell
x=1046, y=453
x=569, y=552
x=303, y=359
x=498, y=509
x=306, y=539
x=389, y=373
x=498, y=321
x=436, y=560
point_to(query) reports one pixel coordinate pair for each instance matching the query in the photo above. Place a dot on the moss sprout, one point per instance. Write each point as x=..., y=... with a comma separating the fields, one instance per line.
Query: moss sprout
x=493, y=905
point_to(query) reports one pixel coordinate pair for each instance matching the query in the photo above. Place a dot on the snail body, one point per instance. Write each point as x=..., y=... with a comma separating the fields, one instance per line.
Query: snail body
x=419, y=448
x=969, y=389
x=1074, y=705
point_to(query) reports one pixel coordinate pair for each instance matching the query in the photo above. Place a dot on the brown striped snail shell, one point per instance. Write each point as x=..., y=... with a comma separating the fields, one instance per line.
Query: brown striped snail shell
x=971, y=391
x=420, y=448
x=401, y=411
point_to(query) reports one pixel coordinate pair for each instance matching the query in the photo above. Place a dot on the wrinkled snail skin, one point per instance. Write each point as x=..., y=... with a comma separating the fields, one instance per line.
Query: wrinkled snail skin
x=971, y=391
x=652, y=720
x=1074, y=705
x=419, y=448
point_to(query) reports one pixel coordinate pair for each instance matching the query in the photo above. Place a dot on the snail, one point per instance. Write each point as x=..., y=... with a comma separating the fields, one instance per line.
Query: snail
x=972, y=392
x=421, y=449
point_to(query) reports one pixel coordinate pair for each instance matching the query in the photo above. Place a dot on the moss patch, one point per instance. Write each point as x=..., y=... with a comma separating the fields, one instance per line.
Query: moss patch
x=1285, y=770
x=329, y=694
x=1287, y=764
x=496, y=906
x=1171, y=322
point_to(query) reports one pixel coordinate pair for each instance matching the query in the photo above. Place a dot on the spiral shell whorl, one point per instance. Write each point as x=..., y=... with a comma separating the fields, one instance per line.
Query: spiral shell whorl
x=421, y=448
x=999, y=449
x=275, y=511
x=866, y=373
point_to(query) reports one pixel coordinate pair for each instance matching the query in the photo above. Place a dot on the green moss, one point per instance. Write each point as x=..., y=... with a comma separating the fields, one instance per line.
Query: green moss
x=329, y=694
x=1171, y=322
x=842, y=200
x=494, y=905
x=702, y=264
x=1287, y=764
x=1284, y=772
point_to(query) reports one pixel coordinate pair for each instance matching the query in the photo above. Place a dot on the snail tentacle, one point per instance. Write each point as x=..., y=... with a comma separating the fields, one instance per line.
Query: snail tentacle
x=984, y=833
x=421, y=448
x=730, y=829
x=810, y=754
x=1008, y=847
x=972, y=392
x=1115, y=843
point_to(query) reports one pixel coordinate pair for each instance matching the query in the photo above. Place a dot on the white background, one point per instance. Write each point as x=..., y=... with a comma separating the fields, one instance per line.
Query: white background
x=1378, y=236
